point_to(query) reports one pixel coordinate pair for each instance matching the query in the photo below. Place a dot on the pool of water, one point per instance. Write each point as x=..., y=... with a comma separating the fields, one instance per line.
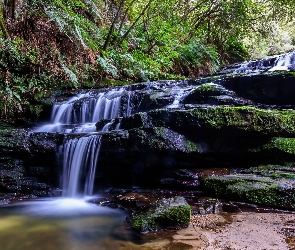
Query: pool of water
x=70, y=224
x=59, y=224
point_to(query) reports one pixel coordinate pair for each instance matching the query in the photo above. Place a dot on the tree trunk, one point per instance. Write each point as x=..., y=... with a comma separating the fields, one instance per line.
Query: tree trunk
x=20, y=10
x=136, y=20
x=108, y=39
x=9, y=6
x=3, y=20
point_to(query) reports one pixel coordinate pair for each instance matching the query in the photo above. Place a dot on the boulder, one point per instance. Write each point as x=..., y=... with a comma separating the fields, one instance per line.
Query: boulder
x=266, y=185
x=166, y=213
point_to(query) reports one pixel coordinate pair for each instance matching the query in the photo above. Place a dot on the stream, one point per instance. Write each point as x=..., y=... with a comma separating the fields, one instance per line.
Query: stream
x=149, y=120
x=58, y=224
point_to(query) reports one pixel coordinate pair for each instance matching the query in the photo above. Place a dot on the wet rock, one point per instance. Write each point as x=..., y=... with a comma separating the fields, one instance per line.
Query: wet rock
x=197, y=174
x=207, y=206
x=229, y=207
x=206, y=93
x=165, y=213
x=263, y=190
x=43, y=142
x=263, y=88
x=179, y=184
x=244, y=118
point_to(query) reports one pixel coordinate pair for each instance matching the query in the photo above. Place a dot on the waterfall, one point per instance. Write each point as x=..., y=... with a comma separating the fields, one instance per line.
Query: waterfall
x=79, y=159
x=272, y=63
x=80, y=113
x=285, y=62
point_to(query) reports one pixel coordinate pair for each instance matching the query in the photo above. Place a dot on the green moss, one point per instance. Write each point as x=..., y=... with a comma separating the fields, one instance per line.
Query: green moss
x=260, y=190
x=11, y=137
x=173, y=212
x=180, y=216
x=190, y=146
x=286, y=145
x=277, y=175
x=174, y=216
x=144, y=223
x=207, y=87
x=245, y=117
x=260, y=193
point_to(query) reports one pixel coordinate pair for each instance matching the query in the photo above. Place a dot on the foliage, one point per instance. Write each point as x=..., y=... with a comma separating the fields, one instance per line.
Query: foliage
x=69, y=42
x=197, y=57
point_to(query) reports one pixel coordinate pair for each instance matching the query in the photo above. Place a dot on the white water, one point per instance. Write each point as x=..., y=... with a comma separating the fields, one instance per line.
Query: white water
x=79, y=114
x=179, y=94
x=285, y=62
x=79, y=158
x=273, y=63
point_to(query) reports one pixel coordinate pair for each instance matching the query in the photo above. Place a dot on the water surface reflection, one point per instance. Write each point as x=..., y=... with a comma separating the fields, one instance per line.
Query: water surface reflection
x=65, y=224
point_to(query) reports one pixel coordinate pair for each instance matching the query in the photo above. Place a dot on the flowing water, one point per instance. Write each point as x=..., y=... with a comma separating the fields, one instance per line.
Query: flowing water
x=79, y=158
x=65, y=224
x=70, y=222
x=79, y=114
x=272, y=63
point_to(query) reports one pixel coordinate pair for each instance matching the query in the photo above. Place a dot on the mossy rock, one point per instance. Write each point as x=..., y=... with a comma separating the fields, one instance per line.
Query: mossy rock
x=166, y=213
x=270, y=191
x=206, y=92
x=244, y=118
x=286, y=145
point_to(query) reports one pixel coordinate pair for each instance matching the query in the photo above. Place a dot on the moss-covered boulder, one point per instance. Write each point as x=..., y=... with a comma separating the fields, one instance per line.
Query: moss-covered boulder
x=266, y=185
x=166, y=213
x=245, y=118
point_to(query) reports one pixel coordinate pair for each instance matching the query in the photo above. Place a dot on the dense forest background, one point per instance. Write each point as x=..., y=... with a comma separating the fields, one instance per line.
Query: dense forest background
x=48, y=45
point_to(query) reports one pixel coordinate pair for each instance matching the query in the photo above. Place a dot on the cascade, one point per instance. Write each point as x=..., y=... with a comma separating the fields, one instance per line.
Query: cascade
x=272, y=63
x=285, y=62
x=78, y=114
x=79, y=159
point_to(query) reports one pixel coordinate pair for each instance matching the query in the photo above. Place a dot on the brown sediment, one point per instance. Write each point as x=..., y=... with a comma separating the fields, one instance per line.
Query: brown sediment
x=251, y=231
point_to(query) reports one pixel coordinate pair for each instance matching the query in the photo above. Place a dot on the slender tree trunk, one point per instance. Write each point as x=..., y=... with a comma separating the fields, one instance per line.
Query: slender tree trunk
x=136, y=21
x=20, y=9
x=209, y=32
x=9, y=6
x=125, y=15
x=111, y=30
x=3, y=20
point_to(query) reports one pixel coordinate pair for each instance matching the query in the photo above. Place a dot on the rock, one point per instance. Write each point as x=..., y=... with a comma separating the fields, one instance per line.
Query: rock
x=197, y=174
x=223, y=118
x=166, y=213
x=171, y=183
x=269, y=189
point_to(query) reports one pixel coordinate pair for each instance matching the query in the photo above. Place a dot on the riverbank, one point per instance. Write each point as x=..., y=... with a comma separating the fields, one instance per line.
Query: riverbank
x=251, y=231
x=239, y=231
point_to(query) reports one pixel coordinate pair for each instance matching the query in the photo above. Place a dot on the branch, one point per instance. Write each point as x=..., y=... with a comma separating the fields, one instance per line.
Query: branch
x=135, y=22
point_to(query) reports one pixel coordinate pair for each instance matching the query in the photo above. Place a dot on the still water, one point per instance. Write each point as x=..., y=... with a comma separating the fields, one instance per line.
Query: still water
x=71, y=224
x=64, y=224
